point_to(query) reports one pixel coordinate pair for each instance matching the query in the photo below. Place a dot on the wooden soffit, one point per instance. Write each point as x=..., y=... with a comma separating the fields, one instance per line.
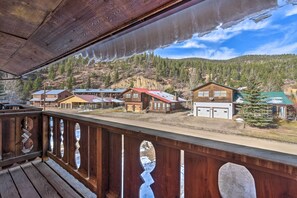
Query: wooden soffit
x=34, y=33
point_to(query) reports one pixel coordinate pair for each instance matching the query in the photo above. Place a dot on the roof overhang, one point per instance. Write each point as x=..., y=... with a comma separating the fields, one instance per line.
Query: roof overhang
x=36, y=33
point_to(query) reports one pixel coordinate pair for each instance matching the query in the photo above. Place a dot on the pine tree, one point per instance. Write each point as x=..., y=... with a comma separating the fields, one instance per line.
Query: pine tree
x=254, y=110
x=107, y=80
x=116, y=76
x=61, y=69
x=70, y=82
x=89, y=85
x=37, y=83
x=51, y=73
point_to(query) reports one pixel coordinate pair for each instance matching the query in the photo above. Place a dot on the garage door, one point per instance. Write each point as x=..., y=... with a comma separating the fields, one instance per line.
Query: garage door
x=137, y=108
x=203, y=112
x=220, y=113
x=129, y=107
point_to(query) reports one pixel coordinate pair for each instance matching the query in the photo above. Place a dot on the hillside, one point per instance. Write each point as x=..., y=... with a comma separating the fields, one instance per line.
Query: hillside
x=154, y=72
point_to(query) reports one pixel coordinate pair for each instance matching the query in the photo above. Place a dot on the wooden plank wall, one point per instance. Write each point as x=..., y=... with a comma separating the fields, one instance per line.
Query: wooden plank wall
x=102, y=167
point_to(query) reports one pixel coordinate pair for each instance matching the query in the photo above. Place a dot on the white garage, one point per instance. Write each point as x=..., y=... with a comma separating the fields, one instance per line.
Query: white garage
x=203, y=112
x=213, y=110
x=220, y=113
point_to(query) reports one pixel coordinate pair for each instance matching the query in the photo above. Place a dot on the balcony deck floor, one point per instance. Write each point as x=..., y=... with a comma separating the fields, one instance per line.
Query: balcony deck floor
x=38, y=179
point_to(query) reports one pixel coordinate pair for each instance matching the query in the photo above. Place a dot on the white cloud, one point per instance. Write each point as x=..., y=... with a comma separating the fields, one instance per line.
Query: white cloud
x=193, y=44
x=292, y=11
x=274, y=48
x=221, y=34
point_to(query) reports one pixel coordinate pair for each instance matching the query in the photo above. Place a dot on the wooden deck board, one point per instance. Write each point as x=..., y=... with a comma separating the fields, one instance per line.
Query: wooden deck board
x=23, y=184
x=82, y=189
x=7, y=187
x=59, y=184
x=39, y=181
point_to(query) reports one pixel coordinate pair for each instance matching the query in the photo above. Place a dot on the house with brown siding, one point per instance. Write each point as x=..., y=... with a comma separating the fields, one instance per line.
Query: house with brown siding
x=138, y=99
x=52, y=97
x=214, y=101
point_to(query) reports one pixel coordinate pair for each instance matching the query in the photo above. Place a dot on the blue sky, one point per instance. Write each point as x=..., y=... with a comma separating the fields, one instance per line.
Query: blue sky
x=276, y=34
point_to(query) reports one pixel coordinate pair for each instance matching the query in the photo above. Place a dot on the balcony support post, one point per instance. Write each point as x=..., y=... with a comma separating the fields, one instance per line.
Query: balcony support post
x=45, y=137
x=1, y=144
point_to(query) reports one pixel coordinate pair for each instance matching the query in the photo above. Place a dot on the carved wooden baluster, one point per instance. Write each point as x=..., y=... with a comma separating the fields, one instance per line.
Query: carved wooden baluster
x=60, y=139
x=201, y=176
x=132, y=167
x=33, y=124
x=66, y=132
x=51, y=134
x=27, y=142
x=83, y=149
x=77, y=145
x=167, y=172
x=148, y=162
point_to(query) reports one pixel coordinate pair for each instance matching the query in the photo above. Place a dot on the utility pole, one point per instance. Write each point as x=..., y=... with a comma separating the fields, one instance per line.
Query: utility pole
x=44, y=96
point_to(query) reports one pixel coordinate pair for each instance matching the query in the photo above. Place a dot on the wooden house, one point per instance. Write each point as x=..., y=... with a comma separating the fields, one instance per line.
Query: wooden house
x=138, y=99
x=164, y=102
x=213, y=100
x=52, y=97
x=282, y=106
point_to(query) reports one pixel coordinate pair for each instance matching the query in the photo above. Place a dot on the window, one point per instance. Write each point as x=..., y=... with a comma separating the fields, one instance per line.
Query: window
x=128, y=95
x=155, y=105
x=173, y=105
x=203, y=93
x=159, y=105
x=135, y=95
x=220, y=93
x=168, y=107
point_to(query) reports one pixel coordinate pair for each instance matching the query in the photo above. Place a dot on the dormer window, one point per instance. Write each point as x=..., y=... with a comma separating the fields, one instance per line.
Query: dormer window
x=203, y=94
x=220, y=93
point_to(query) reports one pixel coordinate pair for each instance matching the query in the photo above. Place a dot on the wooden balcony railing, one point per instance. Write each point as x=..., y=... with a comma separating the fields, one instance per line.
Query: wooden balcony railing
x=105, y=170
x=20, y=136
x=105, y=156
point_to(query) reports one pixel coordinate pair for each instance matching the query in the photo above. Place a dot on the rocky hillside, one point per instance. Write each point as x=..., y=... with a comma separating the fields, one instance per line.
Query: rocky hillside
x=150, y=71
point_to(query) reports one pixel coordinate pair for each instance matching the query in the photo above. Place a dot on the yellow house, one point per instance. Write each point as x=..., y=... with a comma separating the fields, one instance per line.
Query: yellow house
x=77, y=101
x=88, y=102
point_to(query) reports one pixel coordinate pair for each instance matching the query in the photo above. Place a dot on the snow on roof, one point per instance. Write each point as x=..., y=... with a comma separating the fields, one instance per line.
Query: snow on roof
x=96, y=99
x=164, y=96
x=55, y=91
x=119, y=90
x=40, y=92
